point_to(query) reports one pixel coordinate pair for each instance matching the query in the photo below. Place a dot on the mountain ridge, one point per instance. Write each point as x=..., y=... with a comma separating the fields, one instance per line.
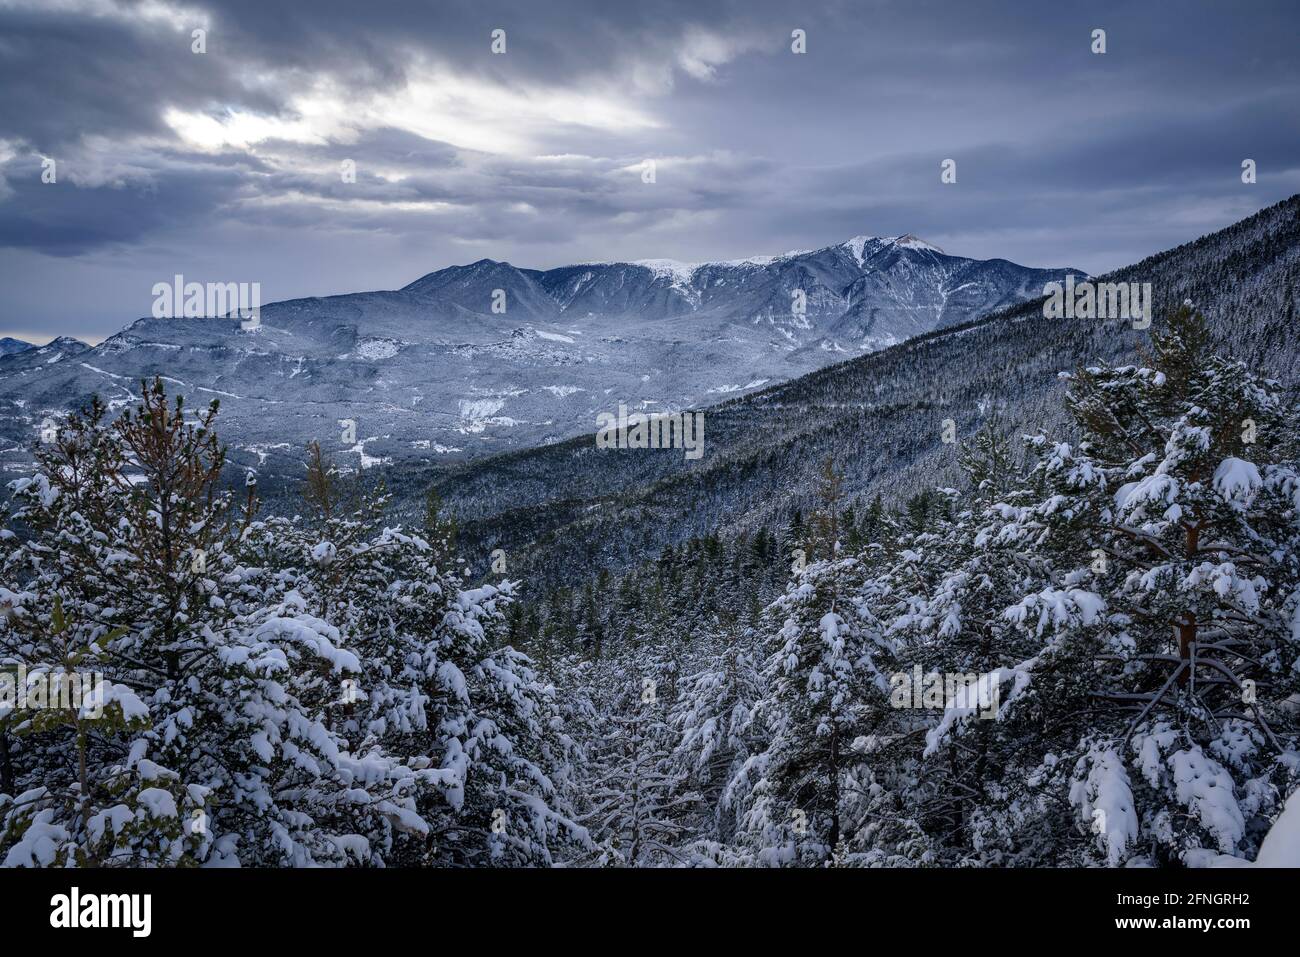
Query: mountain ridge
x=478, y=358
x=879, y=416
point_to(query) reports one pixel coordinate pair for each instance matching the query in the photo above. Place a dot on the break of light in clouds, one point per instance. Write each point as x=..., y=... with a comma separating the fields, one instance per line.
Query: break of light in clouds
x=225, y=166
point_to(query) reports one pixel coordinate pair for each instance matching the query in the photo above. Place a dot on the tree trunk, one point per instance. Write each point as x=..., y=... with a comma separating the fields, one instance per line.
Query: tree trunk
x=1186, y=631
x=84, y=780
x=833, y=838
x=1186, y=627
x=6, y=765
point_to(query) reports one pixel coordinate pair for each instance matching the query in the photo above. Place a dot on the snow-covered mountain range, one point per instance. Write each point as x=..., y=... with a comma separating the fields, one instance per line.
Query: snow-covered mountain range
x=486, y=357
x=879, y=417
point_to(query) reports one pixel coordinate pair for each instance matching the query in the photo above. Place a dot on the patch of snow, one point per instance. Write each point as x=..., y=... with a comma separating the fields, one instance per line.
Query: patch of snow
x=1237, y=480
x=680, y=273
x=480, y=408
x=737, y=388
x=111, y=375
x=374, y=349
x=1281, y=847
x=908, y=241
x=1102, y=793
x=857, y=245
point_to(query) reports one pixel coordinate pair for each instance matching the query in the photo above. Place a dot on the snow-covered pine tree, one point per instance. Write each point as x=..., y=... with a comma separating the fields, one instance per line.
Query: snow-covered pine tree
x=971, y=682
x=636, y=798
x=714, y=720
x=1177, y=515
x=127, y=530
x=804, y=792
x=439, y=682
x=438, y=528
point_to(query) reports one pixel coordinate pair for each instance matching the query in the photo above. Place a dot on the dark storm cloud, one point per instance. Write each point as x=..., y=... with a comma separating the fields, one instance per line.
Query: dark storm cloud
x=72, y=221
x=167, y=158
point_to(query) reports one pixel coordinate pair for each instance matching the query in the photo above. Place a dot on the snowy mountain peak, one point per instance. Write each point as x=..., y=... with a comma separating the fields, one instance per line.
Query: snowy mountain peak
x=63, y=343
x=10, y=345
x=526, y=355
x=678, y=272
x=908, y=241
x=858, y=245
x=681, y=273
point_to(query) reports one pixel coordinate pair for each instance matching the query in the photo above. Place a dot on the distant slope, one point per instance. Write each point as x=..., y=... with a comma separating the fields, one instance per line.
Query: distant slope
x=571, y=506
x=432, y=371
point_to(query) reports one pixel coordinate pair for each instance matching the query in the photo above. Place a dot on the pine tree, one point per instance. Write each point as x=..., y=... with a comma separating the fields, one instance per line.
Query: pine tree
x=134, y=541
x=800, y=794
x=714, y=721
x=636, y=796
x=439, y=530
x=438, y=681
x=825, y=537
x=1174, y=519
x=988, y=463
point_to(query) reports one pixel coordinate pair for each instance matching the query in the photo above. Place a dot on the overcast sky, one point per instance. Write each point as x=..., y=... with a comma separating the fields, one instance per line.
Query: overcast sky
x=226, y=166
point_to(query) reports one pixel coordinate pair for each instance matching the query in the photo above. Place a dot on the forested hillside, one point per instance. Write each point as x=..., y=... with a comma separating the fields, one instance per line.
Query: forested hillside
x=559, y=510
x=1085, y=651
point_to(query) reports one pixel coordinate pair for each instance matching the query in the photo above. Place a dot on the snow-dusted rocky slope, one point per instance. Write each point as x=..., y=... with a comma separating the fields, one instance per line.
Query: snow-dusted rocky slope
x=431, y=372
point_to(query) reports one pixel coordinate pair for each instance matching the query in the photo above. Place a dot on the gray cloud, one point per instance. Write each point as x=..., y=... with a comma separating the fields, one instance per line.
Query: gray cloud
x=227, y=165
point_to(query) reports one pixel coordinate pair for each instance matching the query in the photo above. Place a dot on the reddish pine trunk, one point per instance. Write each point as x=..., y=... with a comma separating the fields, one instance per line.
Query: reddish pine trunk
x=1185, y=628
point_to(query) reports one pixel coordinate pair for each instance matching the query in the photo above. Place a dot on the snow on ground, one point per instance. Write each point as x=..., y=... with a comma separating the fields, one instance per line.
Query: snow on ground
x=374, y=349
x=554, y=336
x=679, y=272
x=911, y=242
x=480, y=408
x=1281, y=847
x=737, y=388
